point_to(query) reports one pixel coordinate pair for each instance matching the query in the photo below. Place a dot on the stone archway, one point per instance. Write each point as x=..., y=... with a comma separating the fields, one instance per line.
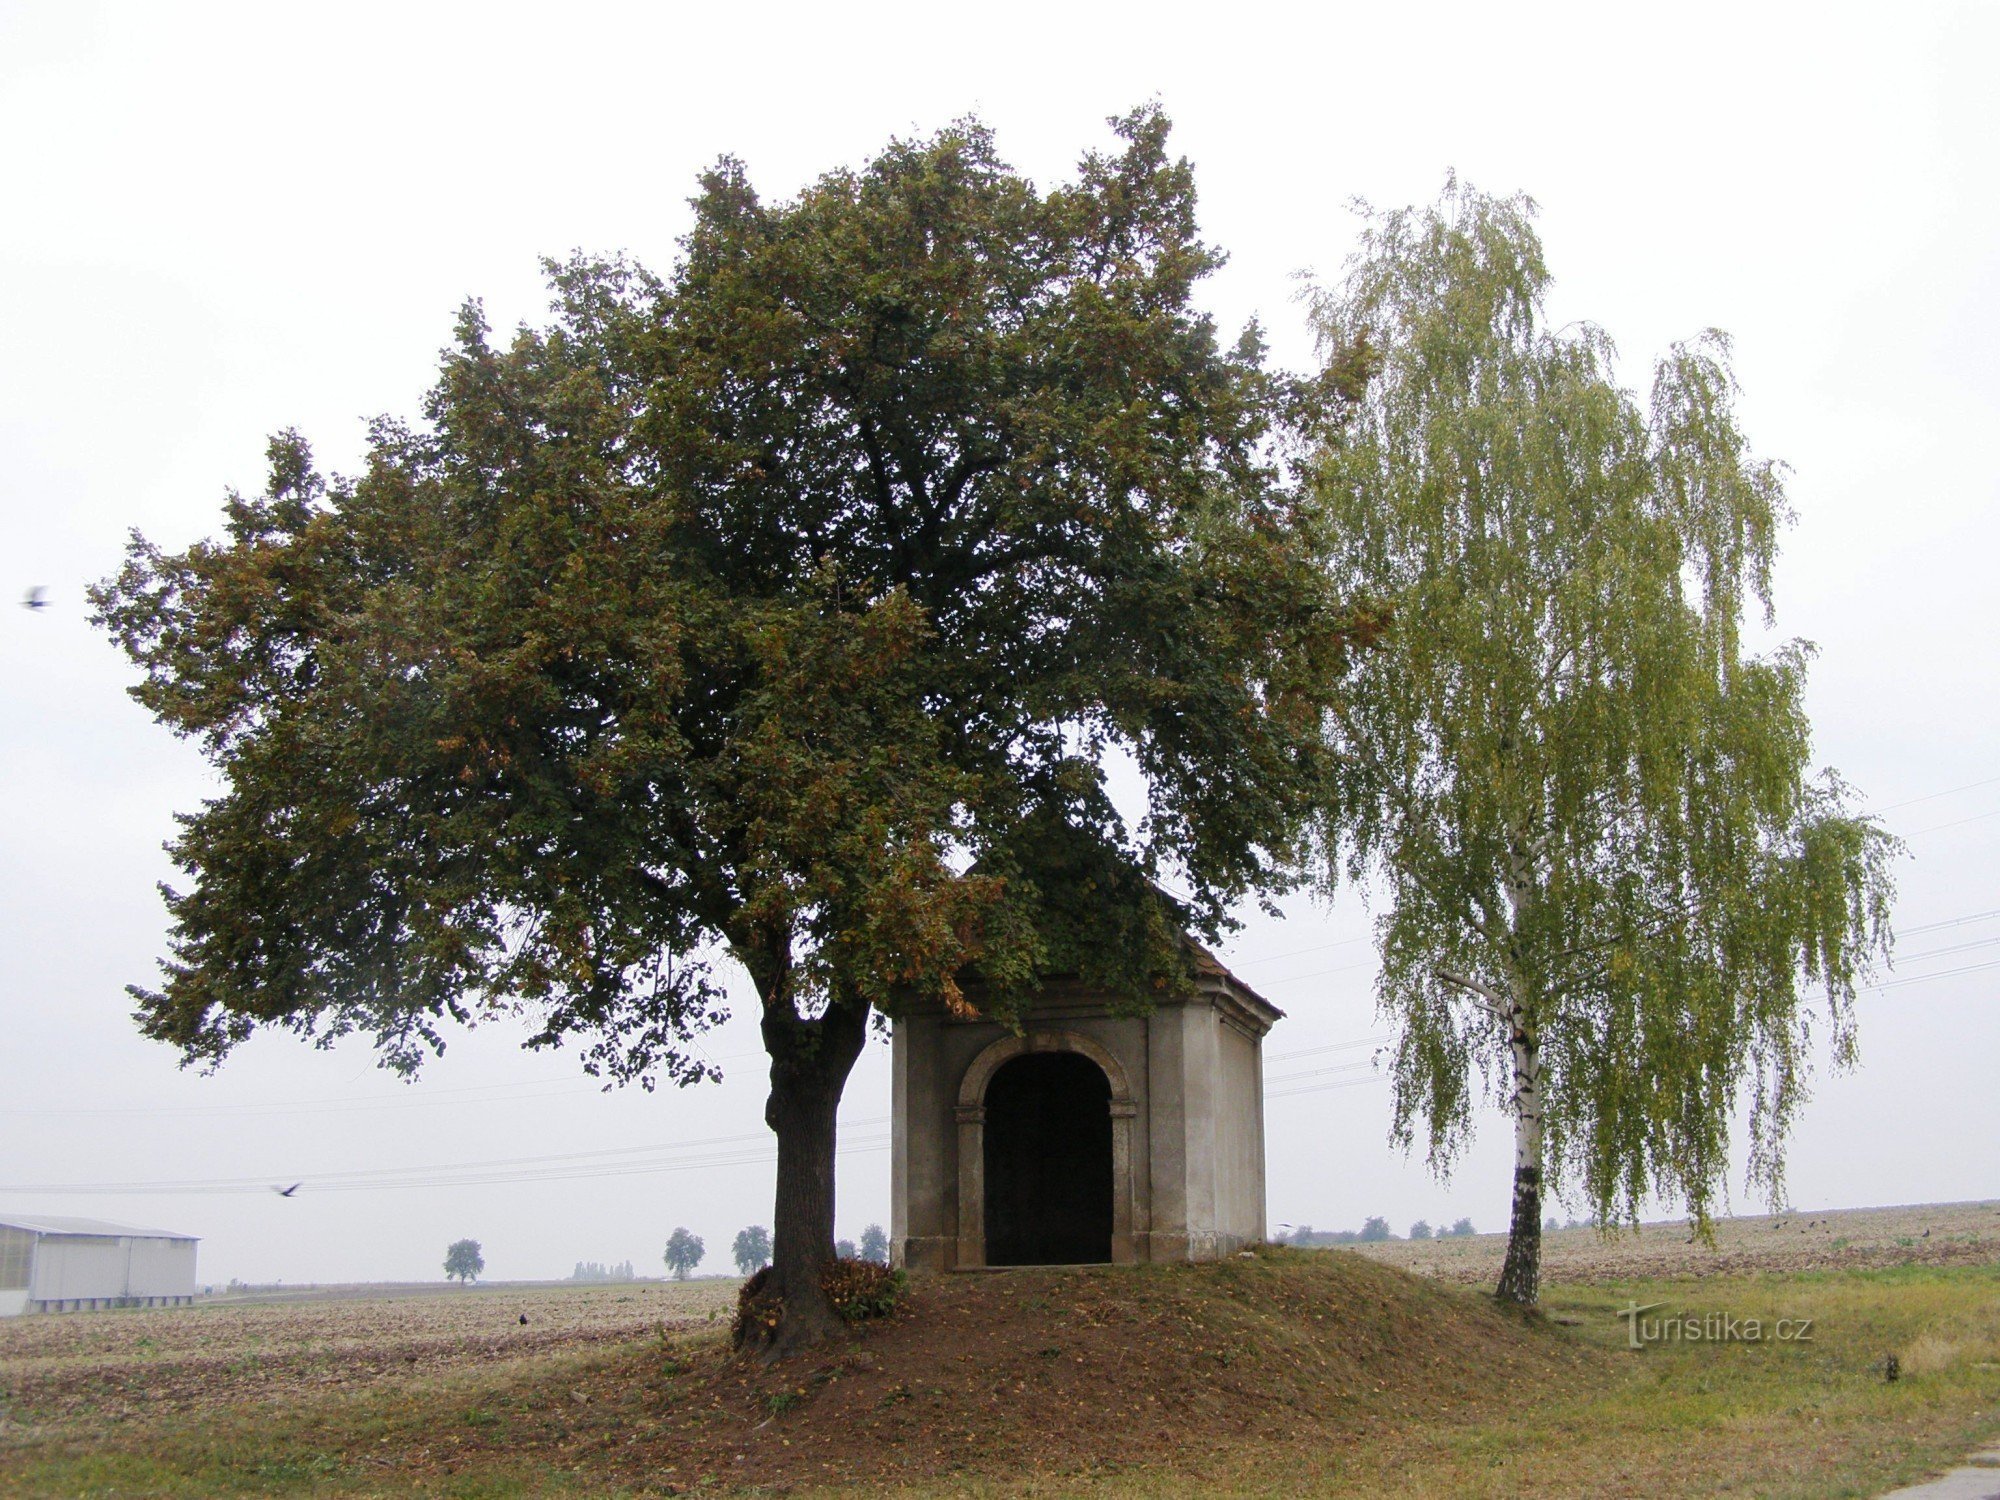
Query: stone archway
x=972, y=1141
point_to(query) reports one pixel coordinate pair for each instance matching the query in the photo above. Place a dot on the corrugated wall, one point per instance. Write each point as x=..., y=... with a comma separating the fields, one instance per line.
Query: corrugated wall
x=73, y=1267
x=162, y=1268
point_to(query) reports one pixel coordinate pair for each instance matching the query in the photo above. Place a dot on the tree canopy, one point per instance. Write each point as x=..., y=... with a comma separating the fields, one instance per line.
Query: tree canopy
x=684, y=1252
x=875, y=1244
x=1613, y=888
x=752, y=1249
x=463, y=1261
x=787, y=608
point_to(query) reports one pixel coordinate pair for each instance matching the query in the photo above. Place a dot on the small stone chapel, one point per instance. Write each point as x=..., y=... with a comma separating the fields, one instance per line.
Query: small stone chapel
x=1090, y=1137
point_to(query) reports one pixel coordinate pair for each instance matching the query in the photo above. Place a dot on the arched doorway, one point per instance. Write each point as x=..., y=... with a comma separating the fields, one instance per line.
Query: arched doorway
x=1048, y=1161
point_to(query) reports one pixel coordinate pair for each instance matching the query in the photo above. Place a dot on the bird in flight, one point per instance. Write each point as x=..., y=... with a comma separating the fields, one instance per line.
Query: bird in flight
x=287, y=1192
x=33, y=598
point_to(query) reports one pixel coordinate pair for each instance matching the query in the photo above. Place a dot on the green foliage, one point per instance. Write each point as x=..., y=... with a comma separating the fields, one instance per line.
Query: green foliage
x=463, y=1261
x=1461, y=1229
x=1421, y=1230
x=875, y=1244
x=684, y=1252
x=1374, y=1230
x=786, y=607
x=1587, y=803
x=752, y=1249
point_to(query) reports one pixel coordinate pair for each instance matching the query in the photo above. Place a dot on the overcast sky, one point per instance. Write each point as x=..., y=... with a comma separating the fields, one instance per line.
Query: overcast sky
x=219, y=221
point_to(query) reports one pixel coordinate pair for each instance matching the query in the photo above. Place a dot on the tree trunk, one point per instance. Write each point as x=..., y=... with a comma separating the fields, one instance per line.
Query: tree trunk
x=1521, y=1272
x=810, y=1061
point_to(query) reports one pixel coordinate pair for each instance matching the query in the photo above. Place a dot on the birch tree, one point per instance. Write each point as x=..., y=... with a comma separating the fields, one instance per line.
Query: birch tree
x=1617, y=901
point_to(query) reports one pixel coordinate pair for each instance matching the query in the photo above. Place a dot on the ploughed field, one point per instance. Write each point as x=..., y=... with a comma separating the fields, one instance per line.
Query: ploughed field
x=1940, y=1234
x=145, y=1362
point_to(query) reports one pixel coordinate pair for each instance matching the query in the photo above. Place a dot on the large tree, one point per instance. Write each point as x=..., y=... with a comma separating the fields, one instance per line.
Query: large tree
x=787, y=608
x=1614, y=892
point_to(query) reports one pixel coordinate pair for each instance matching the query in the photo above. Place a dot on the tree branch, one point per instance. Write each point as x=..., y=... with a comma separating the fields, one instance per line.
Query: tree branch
x=1492, y=999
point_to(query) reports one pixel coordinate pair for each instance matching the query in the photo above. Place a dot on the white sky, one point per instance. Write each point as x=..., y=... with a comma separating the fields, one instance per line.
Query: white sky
x=216, y=221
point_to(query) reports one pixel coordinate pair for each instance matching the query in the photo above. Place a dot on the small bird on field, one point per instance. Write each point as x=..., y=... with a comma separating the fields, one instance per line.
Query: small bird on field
x=524, y=1320
x=287, y=1192
x=33, y=598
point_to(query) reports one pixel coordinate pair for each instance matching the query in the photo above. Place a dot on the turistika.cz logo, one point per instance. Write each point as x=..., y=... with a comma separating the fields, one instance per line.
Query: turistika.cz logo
x=1708, y=1328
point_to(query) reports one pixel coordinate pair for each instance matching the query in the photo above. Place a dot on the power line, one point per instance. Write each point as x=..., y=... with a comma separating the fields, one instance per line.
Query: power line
x=1348, y=1046
x=598, y=1162
x=1954, y=823
x=1321, y=1088
x=1978, y=916
x=489, y=1179
x=1348, y=1067
x=1366, y=963
x=1271, y=958
x=307, y=1106
x=1951, y=791
x=1910, y=958
x=1896, y=984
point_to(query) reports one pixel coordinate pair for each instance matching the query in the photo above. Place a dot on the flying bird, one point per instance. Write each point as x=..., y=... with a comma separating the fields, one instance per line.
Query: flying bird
x=287, y=1192
x=33, y=598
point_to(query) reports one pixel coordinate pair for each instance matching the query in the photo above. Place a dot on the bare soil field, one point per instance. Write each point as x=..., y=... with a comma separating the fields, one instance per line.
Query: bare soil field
x=1938, y=1234
x=157, y=1360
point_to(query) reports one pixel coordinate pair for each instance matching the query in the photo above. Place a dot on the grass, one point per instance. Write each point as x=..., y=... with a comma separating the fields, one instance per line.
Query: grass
x=1797, y=1419
x=1332, y=1403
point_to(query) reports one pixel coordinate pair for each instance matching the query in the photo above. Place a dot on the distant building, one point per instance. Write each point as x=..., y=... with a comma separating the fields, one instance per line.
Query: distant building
x=1091, y=1134
x=55, y=1264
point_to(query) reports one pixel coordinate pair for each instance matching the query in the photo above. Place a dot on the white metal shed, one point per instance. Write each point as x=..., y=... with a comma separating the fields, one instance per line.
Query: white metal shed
x=50, y=1263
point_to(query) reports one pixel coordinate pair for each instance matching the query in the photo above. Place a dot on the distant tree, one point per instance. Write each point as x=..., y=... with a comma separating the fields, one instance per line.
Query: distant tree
x=844, y=1250
x=1613, y=887
x=1550, y=1224
x=684, y=1252
x=1421, y=1230
x=1305, y=1237
x=875, y=1245
x=752, y=1249
x=1462, y=1229
x=1374, y=1230
x=463, y=1261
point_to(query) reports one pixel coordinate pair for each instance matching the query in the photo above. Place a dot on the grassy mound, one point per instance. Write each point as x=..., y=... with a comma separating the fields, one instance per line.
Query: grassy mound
x=1059, y=1373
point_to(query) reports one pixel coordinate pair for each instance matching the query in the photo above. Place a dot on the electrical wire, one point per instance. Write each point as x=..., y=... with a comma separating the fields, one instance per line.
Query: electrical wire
x=559, y=1165
x=1896, y=984
x=1950, y=791
x=1349, y=1046
x=1954, y=823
